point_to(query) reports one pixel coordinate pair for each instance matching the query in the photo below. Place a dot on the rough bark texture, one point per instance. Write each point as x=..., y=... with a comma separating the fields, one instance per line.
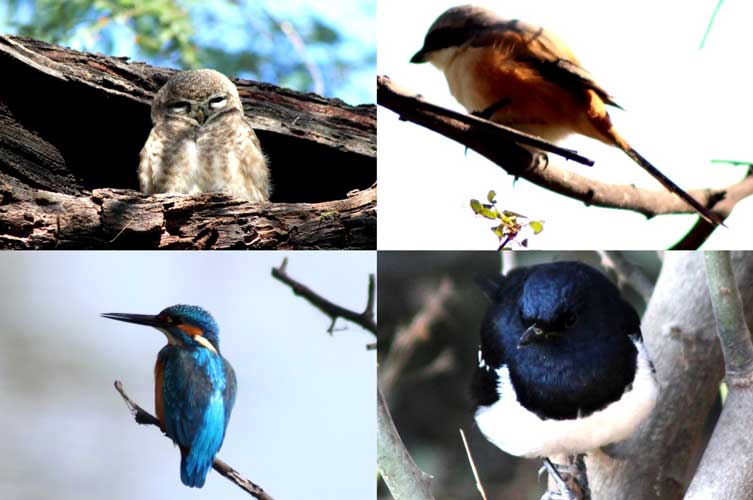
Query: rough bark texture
x=660, y=460
x=71, y=128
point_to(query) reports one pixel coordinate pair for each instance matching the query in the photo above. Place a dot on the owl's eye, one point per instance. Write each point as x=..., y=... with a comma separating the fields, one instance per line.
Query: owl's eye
x=179, y=107
x=217, y=102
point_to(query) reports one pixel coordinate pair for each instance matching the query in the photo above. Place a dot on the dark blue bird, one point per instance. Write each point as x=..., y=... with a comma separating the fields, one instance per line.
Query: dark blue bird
x=562, y=367
x=194, y=385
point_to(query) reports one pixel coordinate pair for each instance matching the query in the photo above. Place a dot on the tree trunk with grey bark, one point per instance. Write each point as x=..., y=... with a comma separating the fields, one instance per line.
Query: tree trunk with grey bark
x=661, y=459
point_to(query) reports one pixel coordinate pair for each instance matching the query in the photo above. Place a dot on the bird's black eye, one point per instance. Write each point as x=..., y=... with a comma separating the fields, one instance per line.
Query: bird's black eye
x=569, y=320
x=217, y=102
x=525, y=321
x=165, y=318
x=179, y=107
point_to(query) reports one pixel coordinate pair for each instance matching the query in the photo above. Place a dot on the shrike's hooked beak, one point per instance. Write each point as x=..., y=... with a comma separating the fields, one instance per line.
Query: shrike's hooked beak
x=419, y=57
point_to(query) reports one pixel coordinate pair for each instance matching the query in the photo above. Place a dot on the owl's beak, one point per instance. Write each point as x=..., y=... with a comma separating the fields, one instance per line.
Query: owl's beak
x=199, y=113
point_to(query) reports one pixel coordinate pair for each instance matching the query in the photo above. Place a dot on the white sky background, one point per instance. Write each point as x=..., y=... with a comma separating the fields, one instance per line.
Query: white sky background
x=303, y=424
x=683, y=108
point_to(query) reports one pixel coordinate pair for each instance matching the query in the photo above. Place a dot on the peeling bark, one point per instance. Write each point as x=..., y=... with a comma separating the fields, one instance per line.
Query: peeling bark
x=72, y=125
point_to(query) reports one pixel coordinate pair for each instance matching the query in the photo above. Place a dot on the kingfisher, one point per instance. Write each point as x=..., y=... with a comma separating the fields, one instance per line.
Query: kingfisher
x=194, y=389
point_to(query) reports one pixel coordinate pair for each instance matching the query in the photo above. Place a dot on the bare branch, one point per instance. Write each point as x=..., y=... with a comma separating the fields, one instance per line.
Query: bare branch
x=516, y=160
x=702, y=229
x=145, y=418
x=414, y=108
x=627, y=272
x=398, y=470
x=365, y=319
x=407, y=338
x=661, y=457
x=723, y=472
x=732, y=329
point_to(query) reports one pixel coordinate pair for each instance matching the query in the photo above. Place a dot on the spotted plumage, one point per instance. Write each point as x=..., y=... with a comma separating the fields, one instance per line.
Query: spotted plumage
x=201, y=141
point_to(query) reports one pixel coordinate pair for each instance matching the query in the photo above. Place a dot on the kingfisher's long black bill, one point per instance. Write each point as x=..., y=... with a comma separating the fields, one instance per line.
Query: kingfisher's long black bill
x=139, y=319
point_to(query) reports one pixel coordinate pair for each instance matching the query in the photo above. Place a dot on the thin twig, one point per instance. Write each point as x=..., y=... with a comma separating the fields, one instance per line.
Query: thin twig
x=364, y=319
x=479, y=486
x=408, y=338
x=300, y=48
x=145, y=418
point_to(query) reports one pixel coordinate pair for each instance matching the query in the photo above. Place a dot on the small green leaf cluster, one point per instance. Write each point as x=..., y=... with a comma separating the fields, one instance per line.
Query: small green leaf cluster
x=510, y=224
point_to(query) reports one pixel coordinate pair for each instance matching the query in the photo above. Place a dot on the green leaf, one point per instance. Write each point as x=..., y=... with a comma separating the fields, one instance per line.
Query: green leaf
x=489, y=214
x=537, y=226
x=490, y=196
x=507, y=221
x=499, y=231
x=476, y=206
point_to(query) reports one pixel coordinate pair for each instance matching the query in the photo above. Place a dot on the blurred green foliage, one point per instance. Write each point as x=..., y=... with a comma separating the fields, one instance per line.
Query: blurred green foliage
x=237, y=37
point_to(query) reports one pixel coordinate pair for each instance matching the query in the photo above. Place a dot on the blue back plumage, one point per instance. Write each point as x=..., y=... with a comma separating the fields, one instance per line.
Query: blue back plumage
x=198, y=393
x=195, y=386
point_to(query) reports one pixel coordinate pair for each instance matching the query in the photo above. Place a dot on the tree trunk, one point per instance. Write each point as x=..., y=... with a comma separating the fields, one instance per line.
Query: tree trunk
x=71, y=128
x=660, y=460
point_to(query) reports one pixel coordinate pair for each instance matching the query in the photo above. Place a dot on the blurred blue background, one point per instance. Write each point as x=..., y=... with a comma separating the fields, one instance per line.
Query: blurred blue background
x=304, y=422
x=322, y=46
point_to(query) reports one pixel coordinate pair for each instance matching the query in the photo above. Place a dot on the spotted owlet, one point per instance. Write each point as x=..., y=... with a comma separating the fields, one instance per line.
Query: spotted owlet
x=201, y=141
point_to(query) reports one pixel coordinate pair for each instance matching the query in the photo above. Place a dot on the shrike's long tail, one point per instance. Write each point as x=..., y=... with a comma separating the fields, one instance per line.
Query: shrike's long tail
x=665, y=181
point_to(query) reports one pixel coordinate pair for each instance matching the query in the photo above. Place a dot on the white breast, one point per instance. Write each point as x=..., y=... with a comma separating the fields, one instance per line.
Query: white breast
x=514, y=429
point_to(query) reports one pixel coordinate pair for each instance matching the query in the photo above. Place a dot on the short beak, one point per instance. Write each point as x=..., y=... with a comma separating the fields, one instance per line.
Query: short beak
x=139, y=319
x=199, y=113
x=418, y=57
x=532, y=334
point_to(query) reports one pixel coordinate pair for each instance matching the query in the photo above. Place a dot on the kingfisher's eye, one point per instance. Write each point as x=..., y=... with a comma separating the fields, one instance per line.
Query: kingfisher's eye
x=179, y=107
x=217, y=102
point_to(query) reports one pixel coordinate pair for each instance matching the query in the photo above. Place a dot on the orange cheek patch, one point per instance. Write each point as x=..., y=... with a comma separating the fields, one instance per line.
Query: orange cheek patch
x=192, y=331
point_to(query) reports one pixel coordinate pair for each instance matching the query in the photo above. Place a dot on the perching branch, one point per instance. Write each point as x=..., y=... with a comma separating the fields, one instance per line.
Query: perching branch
x=145, y=418
x=364, y=319
x=401, y=474
x=65, y=187
x=448, y=122
x=489, y=142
